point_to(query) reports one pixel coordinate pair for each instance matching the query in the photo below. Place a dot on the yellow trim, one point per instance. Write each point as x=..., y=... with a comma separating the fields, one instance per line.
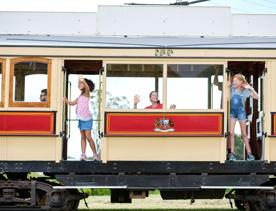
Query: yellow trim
x=3, y=67
x=49, y=72
x=274, y=124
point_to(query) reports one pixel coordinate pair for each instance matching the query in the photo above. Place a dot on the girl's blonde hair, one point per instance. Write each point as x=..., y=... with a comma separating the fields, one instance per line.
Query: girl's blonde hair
x=241, y=78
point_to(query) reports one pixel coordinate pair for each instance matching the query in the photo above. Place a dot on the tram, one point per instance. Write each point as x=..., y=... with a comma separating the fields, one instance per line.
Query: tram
x=183, y=159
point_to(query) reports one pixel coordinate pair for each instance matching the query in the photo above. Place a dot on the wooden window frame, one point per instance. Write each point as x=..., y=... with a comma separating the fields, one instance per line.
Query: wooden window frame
x=3, y=65
x=49, y=71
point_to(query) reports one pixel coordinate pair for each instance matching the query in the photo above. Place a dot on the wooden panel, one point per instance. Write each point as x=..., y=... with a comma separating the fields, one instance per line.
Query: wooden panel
x=30, y=123
x=163, y=124
x=161, y=149
x=30, y=104
x=3, y=68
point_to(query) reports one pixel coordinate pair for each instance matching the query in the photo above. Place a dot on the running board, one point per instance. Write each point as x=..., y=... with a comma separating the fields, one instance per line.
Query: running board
x=239, y=187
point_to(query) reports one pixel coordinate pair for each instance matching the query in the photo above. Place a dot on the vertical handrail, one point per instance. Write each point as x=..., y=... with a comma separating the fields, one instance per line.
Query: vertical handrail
x=69, y=112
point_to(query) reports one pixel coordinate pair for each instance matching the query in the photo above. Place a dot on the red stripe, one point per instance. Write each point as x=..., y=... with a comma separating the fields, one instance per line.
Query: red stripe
x=26, y=122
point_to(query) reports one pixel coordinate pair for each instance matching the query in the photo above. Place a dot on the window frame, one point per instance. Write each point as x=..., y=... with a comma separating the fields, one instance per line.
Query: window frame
x=49, y=72
x=127, y=62
x=3, y=64
x=165, y=64
x=224, y=88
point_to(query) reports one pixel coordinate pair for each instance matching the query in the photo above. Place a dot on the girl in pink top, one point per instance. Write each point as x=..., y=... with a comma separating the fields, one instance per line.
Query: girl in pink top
x=84, y=116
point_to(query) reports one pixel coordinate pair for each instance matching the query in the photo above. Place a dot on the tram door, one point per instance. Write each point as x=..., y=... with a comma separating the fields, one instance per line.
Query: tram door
x=255, y=75
x=90, y=69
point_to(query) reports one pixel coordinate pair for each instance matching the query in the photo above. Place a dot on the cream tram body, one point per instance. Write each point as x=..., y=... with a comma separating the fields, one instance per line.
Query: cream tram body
x=171, y=148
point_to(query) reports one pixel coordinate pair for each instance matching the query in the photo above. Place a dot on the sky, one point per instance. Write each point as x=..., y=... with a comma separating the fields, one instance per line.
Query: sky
x=238, y=6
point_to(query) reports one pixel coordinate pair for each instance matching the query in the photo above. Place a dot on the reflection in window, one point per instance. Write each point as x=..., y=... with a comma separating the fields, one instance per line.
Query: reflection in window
x=126, y=80
x=195, y=86
x=29, y=79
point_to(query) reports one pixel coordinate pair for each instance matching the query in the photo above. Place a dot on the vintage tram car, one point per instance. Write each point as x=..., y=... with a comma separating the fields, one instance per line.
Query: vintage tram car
x=182, y=151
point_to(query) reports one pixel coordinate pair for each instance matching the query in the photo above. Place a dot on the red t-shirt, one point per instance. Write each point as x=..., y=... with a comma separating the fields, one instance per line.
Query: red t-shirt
x=159, y=106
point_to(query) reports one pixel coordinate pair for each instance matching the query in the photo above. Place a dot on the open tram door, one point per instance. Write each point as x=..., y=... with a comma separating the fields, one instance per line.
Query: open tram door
x=90, y=69
x=255, y=74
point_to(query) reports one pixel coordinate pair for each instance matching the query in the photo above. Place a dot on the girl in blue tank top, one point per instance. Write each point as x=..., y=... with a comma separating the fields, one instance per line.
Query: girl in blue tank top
x=240, y=91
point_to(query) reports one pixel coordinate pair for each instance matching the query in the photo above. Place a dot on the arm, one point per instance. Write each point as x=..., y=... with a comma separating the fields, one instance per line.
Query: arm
x=173, y=106
x=254, y=94
x=71, y=103
x=217, y=83
x=136, y=101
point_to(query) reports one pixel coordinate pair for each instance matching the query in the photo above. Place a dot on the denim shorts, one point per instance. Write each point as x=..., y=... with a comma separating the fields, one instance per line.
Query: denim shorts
x=239, y=114
x=237, y=110
x=85, y=125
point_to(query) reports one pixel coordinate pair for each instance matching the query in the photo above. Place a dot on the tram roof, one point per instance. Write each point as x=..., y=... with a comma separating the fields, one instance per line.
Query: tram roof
x=138, y=42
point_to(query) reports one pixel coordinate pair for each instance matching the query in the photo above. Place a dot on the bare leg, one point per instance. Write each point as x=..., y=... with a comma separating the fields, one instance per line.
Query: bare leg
x=245, y=137
x=90, y=141
x=231, y=145
x=83, y=142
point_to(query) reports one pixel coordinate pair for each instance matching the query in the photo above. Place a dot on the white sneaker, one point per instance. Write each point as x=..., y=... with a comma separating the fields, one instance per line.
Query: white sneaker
x=96, y=157
x=83, y=157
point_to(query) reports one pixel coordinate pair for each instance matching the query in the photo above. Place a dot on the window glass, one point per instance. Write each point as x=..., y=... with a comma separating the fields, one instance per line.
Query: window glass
x=195, y=86
x=30, y=82
x=124, y=81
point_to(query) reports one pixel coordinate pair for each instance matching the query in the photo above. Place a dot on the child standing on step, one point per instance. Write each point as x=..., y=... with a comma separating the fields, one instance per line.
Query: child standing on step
x=84, y=116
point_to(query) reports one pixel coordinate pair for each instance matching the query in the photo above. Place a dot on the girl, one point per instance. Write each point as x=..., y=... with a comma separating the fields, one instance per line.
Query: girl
x=155, y=102
x=84, y=115
x=240, y=91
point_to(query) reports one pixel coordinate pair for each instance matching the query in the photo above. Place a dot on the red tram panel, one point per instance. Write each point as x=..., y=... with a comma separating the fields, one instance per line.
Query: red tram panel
x=28, y=123
x=160, y=124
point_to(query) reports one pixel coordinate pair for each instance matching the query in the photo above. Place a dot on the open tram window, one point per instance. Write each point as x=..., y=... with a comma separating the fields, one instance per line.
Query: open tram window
x=2, y=81
x=195, y=86
x=124, y=81
x=29, y=79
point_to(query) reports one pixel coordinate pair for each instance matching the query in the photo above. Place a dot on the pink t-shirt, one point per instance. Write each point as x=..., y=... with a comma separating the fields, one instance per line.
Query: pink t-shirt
x=82, y=109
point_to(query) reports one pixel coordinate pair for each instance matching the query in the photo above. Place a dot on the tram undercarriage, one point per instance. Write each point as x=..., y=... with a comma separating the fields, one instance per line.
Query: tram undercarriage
x=250, y=189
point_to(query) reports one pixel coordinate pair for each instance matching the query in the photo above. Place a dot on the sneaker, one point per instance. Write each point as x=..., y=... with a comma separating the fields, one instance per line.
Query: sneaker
x=231, y=157
x=83, y=157
x=96, y=157
x=250, y=157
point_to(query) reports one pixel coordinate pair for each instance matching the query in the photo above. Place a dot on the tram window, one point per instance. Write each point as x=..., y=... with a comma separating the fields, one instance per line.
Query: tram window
x=124, y=81
x=30, y=81
x=195, y=86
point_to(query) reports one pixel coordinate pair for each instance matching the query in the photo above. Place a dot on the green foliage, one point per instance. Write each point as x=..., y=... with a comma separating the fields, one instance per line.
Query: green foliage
x=96, y=192
x=119, y=102
x=154, y=192
x=239, y=147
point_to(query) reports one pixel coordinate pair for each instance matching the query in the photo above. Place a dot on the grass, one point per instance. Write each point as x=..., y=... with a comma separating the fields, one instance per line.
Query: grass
x=153, y=203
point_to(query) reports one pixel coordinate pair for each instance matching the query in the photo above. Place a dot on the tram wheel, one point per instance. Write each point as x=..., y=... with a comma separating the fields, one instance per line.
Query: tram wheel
x=240, y=204
x=267, y=200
